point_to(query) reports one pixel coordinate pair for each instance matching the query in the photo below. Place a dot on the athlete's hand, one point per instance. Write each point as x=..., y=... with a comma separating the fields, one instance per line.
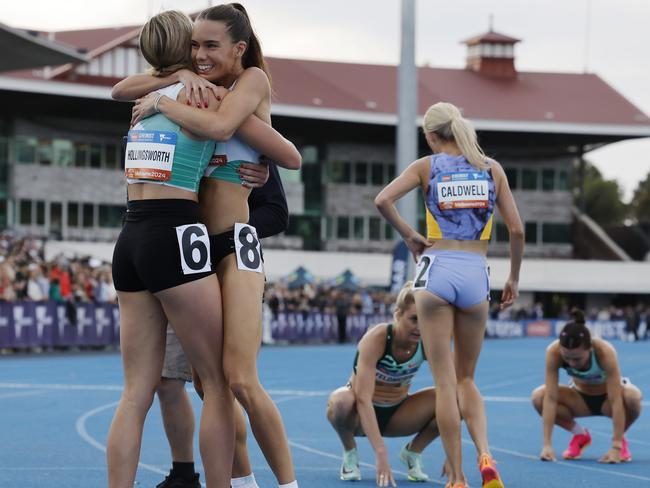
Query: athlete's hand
x=417, y=244
x=510, y=294
x=143, y=108
x=548, y=454
x=613, y=456
x=384, y=473
x=254, y=175
x=197, y=88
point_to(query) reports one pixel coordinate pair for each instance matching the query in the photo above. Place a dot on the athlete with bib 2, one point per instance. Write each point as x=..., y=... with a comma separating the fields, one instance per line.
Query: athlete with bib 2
x=376, y=401
x=462, y=187
x=596, y=388
x=226, y=51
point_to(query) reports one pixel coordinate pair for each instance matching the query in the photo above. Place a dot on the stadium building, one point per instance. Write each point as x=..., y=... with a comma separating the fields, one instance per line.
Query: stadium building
x=60, y=134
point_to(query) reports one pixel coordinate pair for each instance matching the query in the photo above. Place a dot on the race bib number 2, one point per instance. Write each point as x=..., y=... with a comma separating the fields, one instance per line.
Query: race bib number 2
x=150, y=155
x=422, y=272
x=248, y=249
x=194, y=245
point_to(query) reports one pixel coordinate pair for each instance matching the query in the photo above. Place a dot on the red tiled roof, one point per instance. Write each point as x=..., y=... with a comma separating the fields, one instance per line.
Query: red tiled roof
x=493, y=37
x=91, y=39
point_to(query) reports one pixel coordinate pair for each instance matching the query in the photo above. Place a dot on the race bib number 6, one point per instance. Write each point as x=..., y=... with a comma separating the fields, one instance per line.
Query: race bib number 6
x=247, y=248
x=194, y=245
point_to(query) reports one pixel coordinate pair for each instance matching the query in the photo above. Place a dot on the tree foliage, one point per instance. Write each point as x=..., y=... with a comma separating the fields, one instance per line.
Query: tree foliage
x=641, y=201
x=603, y=198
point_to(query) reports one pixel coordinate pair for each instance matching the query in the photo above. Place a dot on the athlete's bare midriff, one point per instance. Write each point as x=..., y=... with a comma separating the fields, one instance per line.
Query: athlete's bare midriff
x=385, y=393
x=479, y=247
x=223, y=204
x=150, y=191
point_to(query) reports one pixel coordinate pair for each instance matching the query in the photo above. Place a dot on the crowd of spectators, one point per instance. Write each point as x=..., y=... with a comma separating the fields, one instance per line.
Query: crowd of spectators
x=25, y=274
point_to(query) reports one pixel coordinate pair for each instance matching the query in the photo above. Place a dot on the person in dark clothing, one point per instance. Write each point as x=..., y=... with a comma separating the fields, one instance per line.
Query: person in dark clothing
x=269, y=214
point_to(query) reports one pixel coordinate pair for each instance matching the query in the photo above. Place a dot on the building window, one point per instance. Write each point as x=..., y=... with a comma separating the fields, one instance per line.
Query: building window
x=563, y=180
x=88, y=215
x=360, y=173
x=377, y=174
x=329, y=227
x=63, y=152
x=548, y=179
x=374, y=228
x=358, y=226
x=339, y=172
x=45, y=154
x=112, y=161
x=391, y=172
x=553, y=233
x=110, y=216
x=26, y=150
x=289, y=175
x=343, y=228
x=25, y=212
x=529, y=179
x=511, y=174
x=502, y=233
x=73, y=214
x=309, y=154
x=95, y=156
x=531, y=232
x=81, y=155
x=40, y=212
x=388, y=230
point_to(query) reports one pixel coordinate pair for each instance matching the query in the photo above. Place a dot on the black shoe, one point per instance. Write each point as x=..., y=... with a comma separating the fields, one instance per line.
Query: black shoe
x=178, y=482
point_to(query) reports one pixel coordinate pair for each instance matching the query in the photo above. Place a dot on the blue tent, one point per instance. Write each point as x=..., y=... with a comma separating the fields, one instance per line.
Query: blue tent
x=347, y=281
x=299, y=277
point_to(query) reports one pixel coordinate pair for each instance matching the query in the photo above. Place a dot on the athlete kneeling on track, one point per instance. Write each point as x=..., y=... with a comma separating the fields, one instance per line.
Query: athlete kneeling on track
x=376, y=400
x=596, y=388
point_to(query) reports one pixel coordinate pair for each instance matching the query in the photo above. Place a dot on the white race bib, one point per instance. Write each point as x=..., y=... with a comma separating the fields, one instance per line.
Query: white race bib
x=463, y=190
x=150, y=155
x=248, y=249
x=422, y=272
x=194, y=246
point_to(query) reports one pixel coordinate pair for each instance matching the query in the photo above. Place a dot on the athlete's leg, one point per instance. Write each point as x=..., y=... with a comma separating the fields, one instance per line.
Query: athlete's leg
x=342, y=414
x=178, y=418
x=631, y=401
x=570, y=406
x=469, y=331
x=195, y=315
x=242, y=293
x=241, y=465
x=142, y=342
x=416, y=415
x=436, y=323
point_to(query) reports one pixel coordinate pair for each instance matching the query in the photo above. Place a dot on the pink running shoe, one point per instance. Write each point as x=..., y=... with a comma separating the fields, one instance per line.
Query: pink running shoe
x=626, y=455
x=579, y=443
x=489, y=473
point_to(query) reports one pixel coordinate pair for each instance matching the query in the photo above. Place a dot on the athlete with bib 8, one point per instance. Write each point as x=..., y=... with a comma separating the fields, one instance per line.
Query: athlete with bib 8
x=462, y=187
x=226, y=51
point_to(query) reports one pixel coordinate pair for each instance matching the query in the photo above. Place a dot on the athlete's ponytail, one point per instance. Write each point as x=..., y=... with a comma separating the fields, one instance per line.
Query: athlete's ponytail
x=239, y=27
x=165, y=42
x=445, y=120
x=575, y=333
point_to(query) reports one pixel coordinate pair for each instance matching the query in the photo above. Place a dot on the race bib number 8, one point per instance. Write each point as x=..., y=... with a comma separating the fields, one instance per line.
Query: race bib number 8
x=194, y=245
x=422, y=272
x=462, y=190
x=247, y=248
x=150, y=155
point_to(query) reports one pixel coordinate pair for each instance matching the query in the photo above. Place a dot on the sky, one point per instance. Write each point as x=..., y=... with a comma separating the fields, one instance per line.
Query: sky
x=606, y=37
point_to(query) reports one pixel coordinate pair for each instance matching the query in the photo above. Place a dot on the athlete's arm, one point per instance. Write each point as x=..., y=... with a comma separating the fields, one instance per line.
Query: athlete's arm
x=371, y=348
x=136, y=86
x=270, y=142
x=508, y=209
x=411, y=178
x=549, y=406
x=607, y=358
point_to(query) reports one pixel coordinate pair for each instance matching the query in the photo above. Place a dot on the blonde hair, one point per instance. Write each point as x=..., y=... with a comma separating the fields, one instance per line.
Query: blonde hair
x=405, y=297
x=445, y=120
x=166, y=42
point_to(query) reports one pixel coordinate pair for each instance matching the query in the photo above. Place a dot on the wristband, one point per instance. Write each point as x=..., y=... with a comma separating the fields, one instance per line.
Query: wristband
x=155, y=103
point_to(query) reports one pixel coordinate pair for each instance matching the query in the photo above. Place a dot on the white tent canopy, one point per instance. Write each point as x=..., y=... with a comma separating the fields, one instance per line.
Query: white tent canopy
x=537, y=275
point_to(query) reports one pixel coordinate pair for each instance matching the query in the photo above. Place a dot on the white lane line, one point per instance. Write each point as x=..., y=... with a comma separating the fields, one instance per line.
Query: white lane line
x=21, y=394
x=61, y=386
x=318, y=452
x=563, y=463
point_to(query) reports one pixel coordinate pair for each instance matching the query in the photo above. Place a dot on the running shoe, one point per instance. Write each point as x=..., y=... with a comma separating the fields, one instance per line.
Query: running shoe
x=460, y=484
x=413, y=461
x=350, y=467
x=626, y=455
x=579, y=442
x=179, y=482
x=489, y=473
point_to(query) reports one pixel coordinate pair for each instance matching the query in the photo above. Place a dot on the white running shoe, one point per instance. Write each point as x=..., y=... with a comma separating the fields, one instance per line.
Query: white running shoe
x=350, y=466
x=413, y=462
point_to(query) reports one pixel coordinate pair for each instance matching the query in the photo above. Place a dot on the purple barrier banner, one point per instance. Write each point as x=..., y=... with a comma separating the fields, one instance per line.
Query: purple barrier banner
x=605, y=329
x=25, y=325
x=304, y=327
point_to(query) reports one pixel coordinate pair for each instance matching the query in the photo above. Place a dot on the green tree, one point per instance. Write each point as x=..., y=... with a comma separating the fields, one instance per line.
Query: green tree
x=603, y=198
x=641, y=201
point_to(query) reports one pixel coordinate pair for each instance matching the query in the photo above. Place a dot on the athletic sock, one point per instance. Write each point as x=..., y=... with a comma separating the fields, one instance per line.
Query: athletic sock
x=293, y=484
x=578, y=429
x=244, y=482
x=182, y=470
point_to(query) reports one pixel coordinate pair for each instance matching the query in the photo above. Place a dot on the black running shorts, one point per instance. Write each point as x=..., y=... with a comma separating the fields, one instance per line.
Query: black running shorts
x=162, y=245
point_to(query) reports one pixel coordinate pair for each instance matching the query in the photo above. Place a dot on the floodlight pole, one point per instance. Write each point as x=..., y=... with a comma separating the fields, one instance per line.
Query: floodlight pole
x=407, y=138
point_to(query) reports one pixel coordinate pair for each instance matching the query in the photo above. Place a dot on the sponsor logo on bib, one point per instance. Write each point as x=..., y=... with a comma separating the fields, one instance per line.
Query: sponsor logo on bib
x=462, y=190
x=150, y=155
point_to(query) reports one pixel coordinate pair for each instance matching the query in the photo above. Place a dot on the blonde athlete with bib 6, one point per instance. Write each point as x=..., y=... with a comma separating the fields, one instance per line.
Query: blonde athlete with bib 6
x=596, y=388
x=462, y=187
x=226, y=51
x=376, y=401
